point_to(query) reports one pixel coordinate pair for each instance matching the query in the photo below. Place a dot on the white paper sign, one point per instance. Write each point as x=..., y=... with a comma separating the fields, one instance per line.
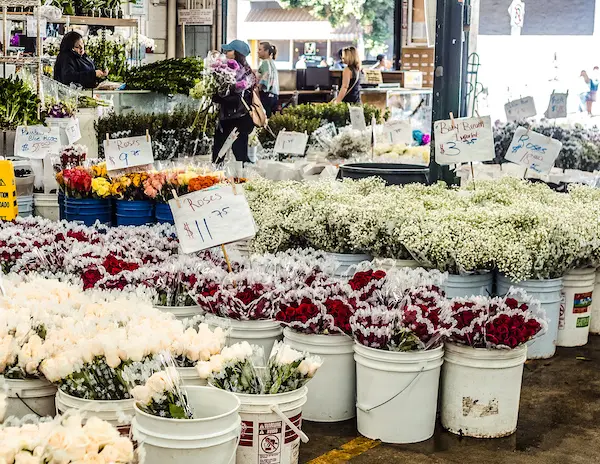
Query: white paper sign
x=228, y=145
x=520, y=109
x=198, y=17
x=357, y=118
x=128, y=152
x=37, y=141
x=211, y=217
x=557, y=107
x=398, y=132
x=291, y=142
x=73, y=132
x=325, y=134
x=32, y=27
x=470, y=139
x=534, y=151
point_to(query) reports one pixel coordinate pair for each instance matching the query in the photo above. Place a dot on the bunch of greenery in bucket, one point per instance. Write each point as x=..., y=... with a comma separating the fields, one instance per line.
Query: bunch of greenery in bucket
x=65, y=440
x=503, y=323
x=236, y=371
x=162, y=395
x=82, y=182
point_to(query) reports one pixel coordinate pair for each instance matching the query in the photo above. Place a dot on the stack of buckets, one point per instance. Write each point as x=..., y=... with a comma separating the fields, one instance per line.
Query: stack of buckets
x=88, y=210
x=164, y=214
x=46, y=205
x=134, y=213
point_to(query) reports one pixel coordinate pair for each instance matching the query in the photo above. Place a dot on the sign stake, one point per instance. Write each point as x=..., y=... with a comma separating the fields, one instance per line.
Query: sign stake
x=176, y=198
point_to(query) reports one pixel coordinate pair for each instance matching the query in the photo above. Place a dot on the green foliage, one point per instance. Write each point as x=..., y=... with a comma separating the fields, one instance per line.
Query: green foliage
x=104, y=8
x=372, y=14
x=179, y=133
x=108, y=54
x=18, y=104
x=308, y=118
x=176, y=75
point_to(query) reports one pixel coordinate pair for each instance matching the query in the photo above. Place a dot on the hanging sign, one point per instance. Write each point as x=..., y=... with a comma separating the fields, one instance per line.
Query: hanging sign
x=534, y=151
x=398, y=131
x=32, y=27
x=357, y=118
x=373, y=76
x=520, y=109
x=36, y=142
x=128, y=152
x=212, y=217
x=557, y=107
x=289, y=142
x=73, y=131
x=138, y=7
x=196, y=17
x=464, y=140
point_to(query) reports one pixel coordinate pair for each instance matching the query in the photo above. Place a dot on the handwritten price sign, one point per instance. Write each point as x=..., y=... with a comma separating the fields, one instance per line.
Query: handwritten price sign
x=557, y=106
x=289, y=142
x=520, y=109
x=398, y=131
x=534, y=151
x=469, y=139
x=36, y=142
x=212, y=217
x=357, y=118
x=128, y=152
x=73, y=131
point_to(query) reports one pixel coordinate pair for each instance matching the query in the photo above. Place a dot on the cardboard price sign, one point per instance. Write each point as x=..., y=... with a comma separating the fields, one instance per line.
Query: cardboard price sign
x=357, y=118
x=212, y=217
x=557, y=106
x=374, y=76
x=290, y=142
x=73, y=131
x=36, y=142
x=128, y=152
x=398, y=131
x=520, y=109
x=464, y=140
x=533, y=151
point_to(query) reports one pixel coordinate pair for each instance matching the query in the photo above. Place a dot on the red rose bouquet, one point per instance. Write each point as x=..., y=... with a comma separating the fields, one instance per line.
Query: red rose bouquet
x=507, y=323
x=322, y=309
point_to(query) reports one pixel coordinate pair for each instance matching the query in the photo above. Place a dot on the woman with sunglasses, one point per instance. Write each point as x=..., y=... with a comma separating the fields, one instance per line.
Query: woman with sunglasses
x=73, y=66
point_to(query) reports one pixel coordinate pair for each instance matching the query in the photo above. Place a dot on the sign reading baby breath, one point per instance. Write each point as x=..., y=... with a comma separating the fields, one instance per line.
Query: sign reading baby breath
x=212, y=217
x=463, y=140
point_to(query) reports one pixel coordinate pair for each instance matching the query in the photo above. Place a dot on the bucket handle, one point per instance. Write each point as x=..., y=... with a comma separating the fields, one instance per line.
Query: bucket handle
x=369, y=409
x=289, y=423
x=28, y=407
x=232, y=458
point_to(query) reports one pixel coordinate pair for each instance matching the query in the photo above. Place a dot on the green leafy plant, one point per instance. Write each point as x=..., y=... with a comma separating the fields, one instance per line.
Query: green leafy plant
x=183, y=132
x=108, y=52
x=173, y=76
x=18, y=104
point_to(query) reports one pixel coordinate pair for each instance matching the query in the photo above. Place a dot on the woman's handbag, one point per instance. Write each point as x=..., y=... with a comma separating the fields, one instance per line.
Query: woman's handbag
x=256, y=109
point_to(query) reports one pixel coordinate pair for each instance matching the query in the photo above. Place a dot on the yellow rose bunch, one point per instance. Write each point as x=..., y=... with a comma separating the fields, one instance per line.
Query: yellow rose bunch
x=185, y=177
x=101, y=187
x=99, y=170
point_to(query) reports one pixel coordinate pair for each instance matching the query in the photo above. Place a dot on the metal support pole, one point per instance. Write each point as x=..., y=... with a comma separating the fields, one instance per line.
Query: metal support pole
x=448, y=79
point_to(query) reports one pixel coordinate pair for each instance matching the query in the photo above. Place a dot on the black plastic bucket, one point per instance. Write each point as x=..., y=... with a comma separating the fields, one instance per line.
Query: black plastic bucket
x=392, y=174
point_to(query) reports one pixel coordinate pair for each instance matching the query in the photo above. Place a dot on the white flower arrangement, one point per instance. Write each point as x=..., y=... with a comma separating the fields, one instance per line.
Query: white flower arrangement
x=163, y=396
x=65, y=440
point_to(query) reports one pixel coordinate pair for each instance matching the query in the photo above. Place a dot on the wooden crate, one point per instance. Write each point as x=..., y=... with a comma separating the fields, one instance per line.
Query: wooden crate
x=419, y=59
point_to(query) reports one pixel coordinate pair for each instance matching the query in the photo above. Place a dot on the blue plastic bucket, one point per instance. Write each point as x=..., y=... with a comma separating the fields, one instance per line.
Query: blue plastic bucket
x=61, y=206
x=163, y=213
x=135, y=212
x=88, y=210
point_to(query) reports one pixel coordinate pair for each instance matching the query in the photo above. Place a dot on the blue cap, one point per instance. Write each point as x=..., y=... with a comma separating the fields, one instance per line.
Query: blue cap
x=237, y=45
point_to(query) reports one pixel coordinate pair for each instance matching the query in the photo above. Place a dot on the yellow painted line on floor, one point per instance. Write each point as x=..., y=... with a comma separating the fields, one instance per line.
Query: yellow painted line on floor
x=347, y=451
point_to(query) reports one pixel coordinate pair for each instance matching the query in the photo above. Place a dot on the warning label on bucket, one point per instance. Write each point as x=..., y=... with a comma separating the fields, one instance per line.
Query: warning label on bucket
x=269, y=440
x=582, y=302
x=561, y=317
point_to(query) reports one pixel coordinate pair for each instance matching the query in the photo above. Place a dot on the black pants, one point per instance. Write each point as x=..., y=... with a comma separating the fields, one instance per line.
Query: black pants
x=245, y=126
x=269, y=102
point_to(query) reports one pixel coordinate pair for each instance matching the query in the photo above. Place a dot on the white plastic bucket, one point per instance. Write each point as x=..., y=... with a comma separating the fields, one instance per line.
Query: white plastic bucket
x=116, y=412
x=332, y=392
x=595, y=317
x=211, y=437
x=481, y=390
x=464, y=286
x=189, y=377
x=29, y=397
x=271, y=428
x=346, y=261
x=397, y=393
x=549, y=293
x=574, y=321
x=388, y=263
x=261, y=333
x=46, y=205
x=25, y=205
x=181, y=312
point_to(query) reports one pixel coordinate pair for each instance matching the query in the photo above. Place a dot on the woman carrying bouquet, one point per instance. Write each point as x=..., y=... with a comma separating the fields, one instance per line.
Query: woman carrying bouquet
x=233, y=113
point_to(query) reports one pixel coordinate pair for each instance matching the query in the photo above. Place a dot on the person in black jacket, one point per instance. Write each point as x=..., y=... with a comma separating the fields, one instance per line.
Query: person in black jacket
x=233, y=112
x=73, y=66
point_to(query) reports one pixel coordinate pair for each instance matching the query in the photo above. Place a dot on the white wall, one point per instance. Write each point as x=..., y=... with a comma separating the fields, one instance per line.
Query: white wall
x=156, y=28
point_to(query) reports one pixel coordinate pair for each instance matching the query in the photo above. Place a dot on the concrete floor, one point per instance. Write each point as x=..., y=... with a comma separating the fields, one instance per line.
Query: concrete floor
x=559, y=423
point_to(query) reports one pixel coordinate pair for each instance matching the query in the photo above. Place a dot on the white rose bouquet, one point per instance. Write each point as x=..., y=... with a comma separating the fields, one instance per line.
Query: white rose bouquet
x=162, y=396
x=288, y=369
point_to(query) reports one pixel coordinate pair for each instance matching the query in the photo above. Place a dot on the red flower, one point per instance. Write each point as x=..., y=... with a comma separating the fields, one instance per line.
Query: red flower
x=114, y=265
x=90, y=278
x=361, y=279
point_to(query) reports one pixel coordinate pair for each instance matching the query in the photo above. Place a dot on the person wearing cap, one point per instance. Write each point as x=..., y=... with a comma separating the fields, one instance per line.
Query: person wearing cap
x=234, y=108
